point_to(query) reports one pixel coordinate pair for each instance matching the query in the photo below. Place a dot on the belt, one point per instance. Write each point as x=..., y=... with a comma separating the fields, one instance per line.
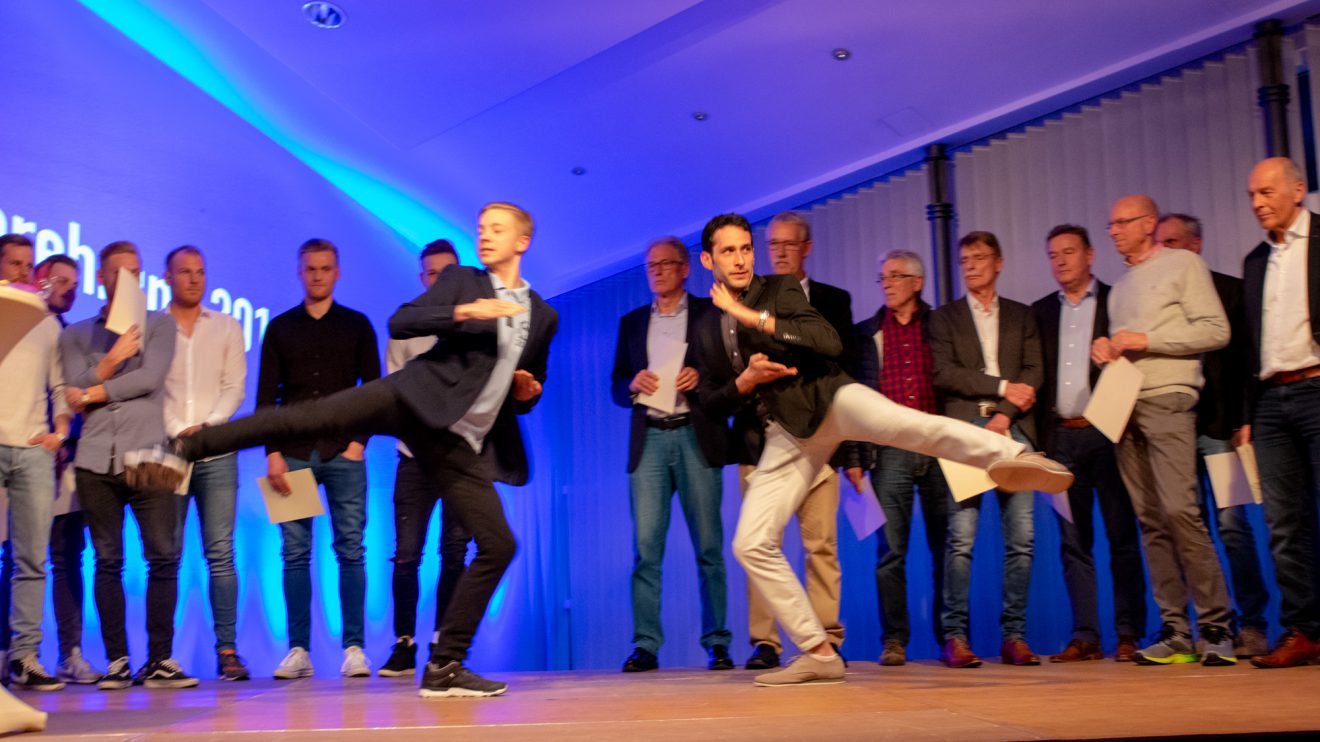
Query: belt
x=1073, y=422
x=668, y=423
x=1292, y=377
x=986, y=408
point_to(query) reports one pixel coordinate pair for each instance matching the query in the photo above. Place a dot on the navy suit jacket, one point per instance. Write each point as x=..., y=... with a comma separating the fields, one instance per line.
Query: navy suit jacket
x=1046, y=309
x=441, y=385
x=1253, y=293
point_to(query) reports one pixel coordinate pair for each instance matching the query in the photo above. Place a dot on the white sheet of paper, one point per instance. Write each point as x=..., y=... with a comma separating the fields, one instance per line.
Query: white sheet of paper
x=303, y=502
x=129, y=306
x=1062, y=505
x=1229, y=480
x=863, y=509
x=182, y=489
x=965, y=481
x=1113, y=398
x=20, y=311
x=667, y=362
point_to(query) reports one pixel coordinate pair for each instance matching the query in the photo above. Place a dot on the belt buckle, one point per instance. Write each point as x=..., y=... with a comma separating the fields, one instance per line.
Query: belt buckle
x=986, y=409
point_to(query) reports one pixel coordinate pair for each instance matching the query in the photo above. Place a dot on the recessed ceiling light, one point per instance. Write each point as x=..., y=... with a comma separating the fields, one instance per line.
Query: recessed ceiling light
x=700, y=116
x=841, y=54
x=323, y=15
x=579, y=170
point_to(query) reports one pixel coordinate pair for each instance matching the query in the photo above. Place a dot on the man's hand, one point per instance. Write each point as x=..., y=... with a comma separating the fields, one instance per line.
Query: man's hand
x=999, y=424
x=722, y=297
x=761, y=370
x=487, y=309
x=126, y=346
x=190, y=430
x=687, y=379
x=1241, y=436
x=645, y=382
x=525, y=386
x=49, y=441
x=854, y=475
x=1021, y=396
x=1125, y=340
x=73, y=397
x=1103, y=351
x=355, y=451
x=276, y=469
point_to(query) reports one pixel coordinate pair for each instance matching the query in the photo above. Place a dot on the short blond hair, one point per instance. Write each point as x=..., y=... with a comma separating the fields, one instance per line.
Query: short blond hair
x=522, y=217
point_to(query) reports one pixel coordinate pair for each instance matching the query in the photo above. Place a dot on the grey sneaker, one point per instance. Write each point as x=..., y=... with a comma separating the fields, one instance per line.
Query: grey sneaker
x=1172, y=648
x=806, y=669
x=1217, y=647
x=1251, y=643
x=77, y=670
x=1030, y=470
x=296, y=664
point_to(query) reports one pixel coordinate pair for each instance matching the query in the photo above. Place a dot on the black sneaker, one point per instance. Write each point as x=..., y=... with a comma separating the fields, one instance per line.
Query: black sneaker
x=166, y=673
x=402, y=661
x=229, y=666
x=117, y=676
x=28, y=674
x=455, y=681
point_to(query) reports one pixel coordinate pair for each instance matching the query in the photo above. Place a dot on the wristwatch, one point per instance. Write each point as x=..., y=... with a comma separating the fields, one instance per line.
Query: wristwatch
x=761, y=319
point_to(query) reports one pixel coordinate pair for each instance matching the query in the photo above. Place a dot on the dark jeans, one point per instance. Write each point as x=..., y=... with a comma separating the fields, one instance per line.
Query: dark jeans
x=103, y=500
x=414, y=498
x=1090, y=456
x=372, y=409
x=1234, y=528
x=1286, y=434
x=67, y=542
x=345, y=483
x=898, y=472
x=214, y=487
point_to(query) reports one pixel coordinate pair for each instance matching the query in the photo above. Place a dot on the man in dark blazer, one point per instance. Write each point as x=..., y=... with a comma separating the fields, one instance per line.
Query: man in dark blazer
x=1281, y=291
x=674, y=450
x=788, y=237
x=770, y=350
x=1069, y=320
x=988, y=367
x=1218, y=416
x=454, y=406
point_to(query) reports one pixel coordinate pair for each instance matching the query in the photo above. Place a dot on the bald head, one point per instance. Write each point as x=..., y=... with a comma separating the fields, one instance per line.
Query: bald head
x=1276, y=188
x=1132, y=225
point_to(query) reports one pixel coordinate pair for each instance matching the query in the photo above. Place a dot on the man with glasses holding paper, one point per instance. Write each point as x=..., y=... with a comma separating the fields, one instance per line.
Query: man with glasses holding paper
x=673, y=447
x=1163, y=314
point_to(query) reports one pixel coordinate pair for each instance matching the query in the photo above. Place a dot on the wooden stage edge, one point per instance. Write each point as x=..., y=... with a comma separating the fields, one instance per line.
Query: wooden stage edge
x=922, y=701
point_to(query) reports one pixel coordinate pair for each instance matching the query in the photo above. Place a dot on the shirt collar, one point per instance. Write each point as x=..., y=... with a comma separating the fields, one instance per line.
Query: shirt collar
x=976, y=305
x=682, y=307
x=1089, y=292
x=498, y=285
x=1299, y=229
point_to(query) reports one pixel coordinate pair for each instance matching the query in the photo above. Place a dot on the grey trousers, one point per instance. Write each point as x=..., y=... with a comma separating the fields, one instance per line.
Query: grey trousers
x=1157, y=458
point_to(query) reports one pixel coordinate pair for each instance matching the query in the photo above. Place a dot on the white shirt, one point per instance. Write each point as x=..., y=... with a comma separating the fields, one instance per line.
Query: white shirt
x=510, y=337
x=32, y=374
x=1286, y=343
x=208, y=375
x=397, y=355
x=806, y=286
x=986, y=320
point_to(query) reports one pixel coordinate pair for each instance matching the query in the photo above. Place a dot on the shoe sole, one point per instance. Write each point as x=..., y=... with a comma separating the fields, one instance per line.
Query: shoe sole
x=41, y=688
x=356, y=674
x=1214, y=659
x=114, y=685
x=460, y=693
x=1181, y=658
x=967, y=666
x=384, y=673
x=292, y=674
x=1019, y=476
x=818, y=681
x=171, y=684
x=79, y=681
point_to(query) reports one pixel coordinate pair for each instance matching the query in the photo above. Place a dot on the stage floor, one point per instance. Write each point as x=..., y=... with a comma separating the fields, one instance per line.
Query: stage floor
x=922, y=701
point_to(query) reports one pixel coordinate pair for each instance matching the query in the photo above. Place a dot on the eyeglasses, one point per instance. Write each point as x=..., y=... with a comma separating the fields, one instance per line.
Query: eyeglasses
x=663, y=265
x=786, y=245
x=891, y=277
x=1124, y=222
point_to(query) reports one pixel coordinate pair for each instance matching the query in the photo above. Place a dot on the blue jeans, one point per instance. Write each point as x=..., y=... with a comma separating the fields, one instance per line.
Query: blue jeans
x=1286, y=434
x=345, y=484
x=672, y=462
x=1015, y=513
x=897, y=473
x=29, y=476
x=1234, y=527
x=214, y=486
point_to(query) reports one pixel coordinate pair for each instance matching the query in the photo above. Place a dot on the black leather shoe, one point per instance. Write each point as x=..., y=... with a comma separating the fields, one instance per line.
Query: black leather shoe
x=641, y=660
x=764, y=657
x=719, y=657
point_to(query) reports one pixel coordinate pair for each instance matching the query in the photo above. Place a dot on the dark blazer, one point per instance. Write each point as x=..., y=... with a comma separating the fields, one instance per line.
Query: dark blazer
x=630, y=358
x=1220, y=409
x=803, y=339
x=960, y=369
x=835, y=305
x=866, y=370
x=1253, y=293
x=440, y=385
x=1046, y=310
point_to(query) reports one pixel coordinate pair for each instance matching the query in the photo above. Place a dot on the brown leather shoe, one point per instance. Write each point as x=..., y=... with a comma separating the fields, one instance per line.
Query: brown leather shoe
x=1293, y=650
x=1079, y=651
x=894, y=654
x=1127, y=646
x=1016, y=652
x=958, y=654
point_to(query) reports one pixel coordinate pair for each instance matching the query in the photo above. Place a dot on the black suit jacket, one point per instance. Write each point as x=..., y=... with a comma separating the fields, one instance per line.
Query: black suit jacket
x=835, y=305
x=1046, y=311
x=1220, y=409
x=803, y=339
x=960, y=369
x=440, y=385
x=1253, y=293
x=630, y=358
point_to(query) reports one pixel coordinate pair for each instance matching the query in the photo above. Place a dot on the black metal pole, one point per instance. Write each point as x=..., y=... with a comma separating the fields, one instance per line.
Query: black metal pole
x=939, y=212
x=1273, y=93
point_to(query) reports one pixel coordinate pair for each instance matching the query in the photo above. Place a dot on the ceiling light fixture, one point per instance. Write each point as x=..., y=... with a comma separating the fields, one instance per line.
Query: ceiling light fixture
x=841, y=54
x=579, y=170
x=323, y=15
x=700, y=116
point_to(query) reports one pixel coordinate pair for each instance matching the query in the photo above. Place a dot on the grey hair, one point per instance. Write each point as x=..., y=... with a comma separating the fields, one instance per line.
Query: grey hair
x=913, y=260
x=1192, y=223
x=792, y=217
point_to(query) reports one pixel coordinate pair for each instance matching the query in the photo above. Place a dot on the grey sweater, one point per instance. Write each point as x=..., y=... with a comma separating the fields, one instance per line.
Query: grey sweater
x=1172, y=299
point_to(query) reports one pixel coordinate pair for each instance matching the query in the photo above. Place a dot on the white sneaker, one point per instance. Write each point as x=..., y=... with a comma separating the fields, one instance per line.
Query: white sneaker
x=356, y=664
x=77, y=670
x=296, y=664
